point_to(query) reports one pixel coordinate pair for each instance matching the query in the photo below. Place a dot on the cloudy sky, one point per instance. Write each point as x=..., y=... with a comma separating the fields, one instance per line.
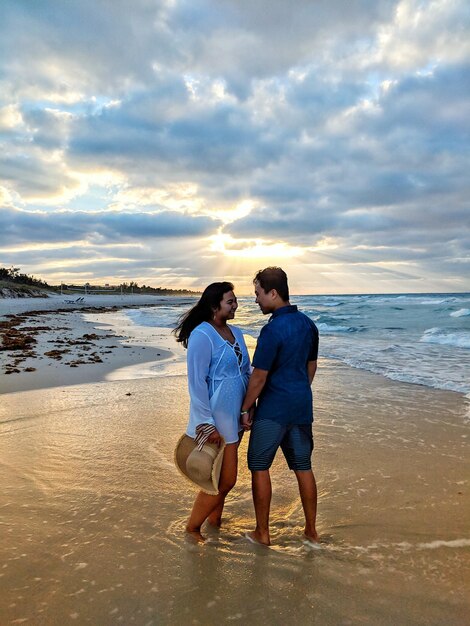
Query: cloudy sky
x=177, y=142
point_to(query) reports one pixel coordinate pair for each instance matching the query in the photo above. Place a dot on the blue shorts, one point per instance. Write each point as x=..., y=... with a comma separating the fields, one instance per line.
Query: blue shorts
x=296, y=441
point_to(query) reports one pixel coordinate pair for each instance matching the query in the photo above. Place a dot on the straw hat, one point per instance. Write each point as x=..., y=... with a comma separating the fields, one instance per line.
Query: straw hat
x=201, y=467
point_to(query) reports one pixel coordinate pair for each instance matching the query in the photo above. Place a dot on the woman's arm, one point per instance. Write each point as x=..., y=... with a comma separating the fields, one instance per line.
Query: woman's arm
x=199, y=359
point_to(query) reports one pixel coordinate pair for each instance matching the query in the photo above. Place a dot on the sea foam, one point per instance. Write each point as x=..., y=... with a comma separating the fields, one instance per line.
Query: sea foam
x=460, y=313
x=436, y=335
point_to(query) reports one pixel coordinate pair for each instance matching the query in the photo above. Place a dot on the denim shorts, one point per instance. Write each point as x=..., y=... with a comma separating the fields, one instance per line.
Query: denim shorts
x=295, y=440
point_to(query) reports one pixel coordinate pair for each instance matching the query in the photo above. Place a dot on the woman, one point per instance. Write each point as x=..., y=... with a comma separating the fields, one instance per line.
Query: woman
x=218, y=372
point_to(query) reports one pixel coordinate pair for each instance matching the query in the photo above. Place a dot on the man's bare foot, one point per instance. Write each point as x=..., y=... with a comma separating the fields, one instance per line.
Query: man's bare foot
x=195, y=534
x=312, y=538
x=256, y=537
x=310, y=532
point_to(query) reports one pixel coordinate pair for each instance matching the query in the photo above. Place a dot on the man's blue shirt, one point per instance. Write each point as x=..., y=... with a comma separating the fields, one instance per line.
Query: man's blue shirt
x=285, y=345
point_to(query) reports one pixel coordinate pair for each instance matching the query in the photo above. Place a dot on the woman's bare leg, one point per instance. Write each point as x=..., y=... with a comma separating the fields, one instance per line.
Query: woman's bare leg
x=205, y=505
x=215, y=518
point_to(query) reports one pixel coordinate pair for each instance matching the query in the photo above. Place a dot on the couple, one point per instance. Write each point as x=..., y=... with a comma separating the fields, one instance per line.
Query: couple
x=275, y=402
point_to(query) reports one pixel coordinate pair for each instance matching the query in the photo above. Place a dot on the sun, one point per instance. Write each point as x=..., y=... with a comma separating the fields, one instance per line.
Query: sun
x=253, y=249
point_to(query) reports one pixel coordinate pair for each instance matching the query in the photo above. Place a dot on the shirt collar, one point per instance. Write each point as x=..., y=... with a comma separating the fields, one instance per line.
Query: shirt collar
x=289, y=308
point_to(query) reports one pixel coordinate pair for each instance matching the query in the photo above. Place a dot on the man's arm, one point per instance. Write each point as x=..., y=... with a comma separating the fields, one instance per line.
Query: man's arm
x=255, y=387
x=311, y=368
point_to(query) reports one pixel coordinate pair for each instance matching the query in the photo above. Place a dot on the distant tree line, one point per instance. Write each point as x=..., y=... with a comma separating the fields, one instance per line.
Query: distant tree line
x=12, y=275
x=133, y=287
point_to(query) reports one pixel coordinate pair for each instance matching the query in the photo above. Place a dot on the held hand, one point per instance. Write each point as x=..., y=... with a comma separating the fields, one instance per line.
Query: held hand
x=247, y=420
x=214, y=437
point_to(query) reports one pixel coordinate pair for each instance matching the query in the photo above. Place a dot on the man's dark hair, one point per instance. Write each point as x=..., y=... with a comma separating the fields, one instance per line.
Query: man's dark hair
x=273, y=278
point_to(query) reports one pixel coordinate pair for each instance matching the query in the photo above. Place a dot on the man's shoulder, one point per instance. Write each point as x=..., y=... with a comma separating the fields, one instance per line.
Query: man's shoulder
x=270, y=334
x=293, y=318
x=282, y=326
x=299, y=322
x=267, y=329
x=309, y=321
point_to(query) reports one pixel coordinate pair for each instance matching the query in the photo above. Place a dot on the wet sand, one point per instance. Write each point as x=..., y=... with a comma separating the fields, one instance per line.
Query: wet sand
x=92, y=511
x=47, y=347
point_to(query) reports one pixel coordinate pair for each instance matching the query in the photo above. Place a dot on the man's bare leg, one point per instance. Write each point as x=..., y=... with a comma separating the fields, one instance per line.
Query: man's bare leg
x=261, y=485
x=308, y=495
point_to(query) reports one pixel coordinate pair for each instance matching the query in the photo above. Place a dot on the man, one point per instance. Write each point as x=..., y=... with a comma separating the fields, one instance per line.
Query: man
x=285, y=362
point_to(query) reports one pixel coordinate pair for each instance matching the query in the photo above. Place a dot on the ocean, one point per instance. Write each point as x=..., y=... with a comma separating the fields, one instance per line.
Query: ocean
x=414, y=338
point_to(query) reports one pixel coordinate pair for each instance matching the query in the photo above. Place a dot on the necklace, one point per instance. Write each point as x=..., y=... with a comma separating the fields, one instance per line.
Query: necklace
x=224, y=332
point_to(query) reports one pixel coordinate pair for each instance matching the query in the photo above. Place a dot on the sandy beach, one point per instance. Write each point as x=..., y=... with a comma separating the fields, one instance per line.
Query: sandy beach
x=72, y=343
x=92, y=508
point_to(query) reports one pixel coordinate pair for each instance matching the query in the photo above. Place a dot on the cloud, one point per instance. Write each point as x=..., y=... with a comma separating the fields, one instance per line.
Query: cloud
x=77, y=48
x=17, y=226
x=334, y=122
x=423, y=33
x=36, y=178
x=200, y=140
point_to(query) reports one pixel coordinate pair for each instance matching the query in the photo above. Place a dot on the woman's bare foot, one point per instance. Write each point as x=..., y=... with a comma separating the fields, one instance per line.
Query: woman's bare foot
x=215, y=523
x=195, y=534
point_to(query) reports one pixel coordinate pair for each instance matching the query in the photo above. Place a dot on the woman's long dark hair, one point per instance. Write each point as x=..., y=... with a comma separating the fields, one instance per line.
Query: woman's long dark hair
x=203, y=311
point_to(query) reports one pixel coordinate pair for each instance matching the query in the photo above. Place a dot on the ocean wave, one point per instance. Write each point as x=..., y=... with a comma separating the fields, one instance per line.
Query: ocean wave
x=436, y=335
x=415, y=378
x=437, y=301
x=392, y=298
x=391, y=348
x=460, y=313
x=328, y=329
x=134, y=313
x=163, y=317
x=428, y=381
x=312, y=313
x=330, y=320
x=439, y=543
x=415, y=299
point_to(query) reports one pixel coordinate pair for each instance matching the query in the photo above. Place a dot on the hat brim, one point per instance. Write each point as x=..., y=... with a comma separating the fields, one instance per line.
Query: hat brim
x=183, y=449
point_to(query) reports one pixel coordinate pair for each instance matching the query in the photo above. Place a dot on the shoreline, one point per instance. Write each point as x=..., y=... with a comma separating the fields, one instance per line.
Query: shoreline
x=60, y=346
x=141, y=351
x=10, y=306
